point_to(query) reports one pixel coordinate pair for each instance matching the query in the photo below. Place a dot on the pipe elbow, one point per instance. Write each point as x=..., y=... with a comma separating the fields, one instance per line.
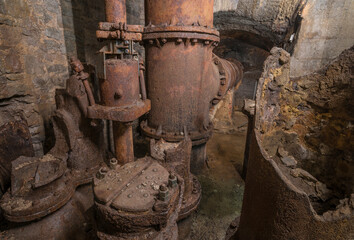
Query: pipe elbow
x=230, y=73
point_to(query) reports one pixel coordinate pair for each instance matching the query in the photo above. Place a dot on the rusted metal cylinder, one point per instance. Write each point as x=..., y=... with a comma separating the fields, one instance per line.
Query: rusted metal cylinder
x=121, y=86
x=181, y=83
x=186, y=12
x=123, y=140
x=233, y=72
x=184, y=78
x=116, y=11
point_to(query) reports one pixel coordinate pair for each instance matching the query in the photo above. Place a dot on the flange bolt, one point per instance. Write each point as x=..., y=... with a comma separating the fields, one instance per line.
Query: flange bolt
x=102, y=173
x=113, y=163
x=172, y=180
x=163, y=193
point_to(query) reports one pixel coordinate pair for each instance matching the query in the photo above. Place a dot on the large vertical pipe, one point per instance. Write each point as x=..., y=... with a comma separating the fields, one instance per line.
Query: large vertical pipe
x=182, y=77
x=116, y=11
x=186, y=12
x=181, y=83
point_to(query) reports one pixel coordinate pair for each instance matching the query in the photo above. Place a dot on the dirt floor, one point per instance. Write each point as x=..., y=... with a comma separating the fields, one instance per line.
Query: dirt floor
x=222, y=187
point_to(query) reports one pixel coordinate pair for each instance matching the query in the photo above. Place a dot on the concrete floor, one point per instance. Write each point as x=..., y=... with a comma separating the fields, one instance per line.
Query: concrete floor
x=222, y=188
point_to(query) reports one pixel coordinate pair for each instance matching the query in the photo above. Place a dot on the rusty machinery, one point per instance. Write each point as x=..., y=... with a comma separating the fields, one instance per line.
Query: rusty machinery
x=143, y=198
x=42, y=185
x=184, y=77
x=184, y=80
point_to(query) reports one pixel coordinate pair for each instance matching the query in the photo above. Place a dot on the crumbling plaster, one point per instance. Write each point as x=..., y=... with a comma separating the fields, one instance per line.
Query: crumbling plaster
x=326, y=30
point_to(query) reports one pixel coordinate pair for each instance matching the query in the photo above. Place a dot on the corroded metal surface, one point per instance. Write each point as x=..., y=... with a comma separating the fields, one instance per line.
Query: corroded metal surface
x=182, y=81
x=74, y=220
x=120, y=91
x=127, y=113
x=133, y=200
x=123, y=139
x=282, y=200
x=177, y=156
x=180, y=12
x=116, y=26
x=184, y=78
x=198, y=137
x=116, y=11
x=121, y=85
x=40, y=186
x=15, y=141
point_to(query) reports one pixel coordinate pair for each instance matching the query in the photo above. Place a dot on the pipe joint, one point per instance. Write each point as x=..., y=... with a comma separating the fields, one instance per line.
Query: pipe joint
x=230, y=76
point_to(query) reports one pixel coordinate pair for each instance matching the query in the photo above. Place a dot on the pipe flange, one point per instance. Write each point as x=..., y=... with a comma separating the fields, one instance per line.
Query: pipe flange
x=197, y=137
x=135, y=199
x=160, y=38
x=230, y=74
x=173, y=28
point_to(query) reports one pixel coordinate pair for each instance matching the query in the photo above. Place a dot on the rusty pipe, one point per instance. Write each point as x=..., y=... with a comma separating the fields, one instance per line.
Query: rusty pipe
x=116, y=11
x=183, y=75
x=233, y=71
x=186, y=12
x=230, y=73
x=121, y=88
x=123, y=142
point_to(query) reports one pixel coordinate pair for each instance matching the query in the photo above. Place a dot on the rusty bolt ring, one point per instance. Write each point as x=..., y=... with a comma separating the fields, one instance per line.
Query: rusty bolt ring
x=197, y=137
x=181, y=35
x=191, y=29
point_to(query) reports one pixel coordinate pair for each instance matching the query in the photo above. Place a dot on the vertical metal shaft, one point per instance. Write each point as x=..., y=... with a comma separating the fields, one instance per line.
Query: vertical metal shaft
x=116, y=11
x=123, y=140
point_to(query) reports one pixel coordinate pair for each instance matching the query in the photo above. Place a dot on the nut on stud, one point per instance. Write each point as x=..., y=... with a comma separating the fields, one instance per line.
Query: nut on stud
x=102, y=173
x=172, y=180
x=113, y=163
x=163, y=193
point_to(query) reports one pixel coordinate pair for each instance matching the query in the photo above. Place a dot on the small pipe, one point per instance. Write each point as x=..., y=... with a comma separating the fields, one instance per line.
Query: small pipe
x=89, y=92
x=142, y=85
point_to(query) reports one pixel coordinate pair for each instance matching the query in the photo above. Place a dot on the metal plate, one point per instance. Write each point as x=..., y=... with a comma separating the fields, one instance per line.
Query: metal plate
x=133, y=187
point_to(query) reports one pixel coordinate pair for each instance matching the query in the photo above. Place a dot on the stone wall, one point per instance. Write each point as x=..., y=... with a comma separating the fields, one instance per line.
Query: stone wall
x=33, y=62
x=80, y=22
x=271, y=19
x=326, y=30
